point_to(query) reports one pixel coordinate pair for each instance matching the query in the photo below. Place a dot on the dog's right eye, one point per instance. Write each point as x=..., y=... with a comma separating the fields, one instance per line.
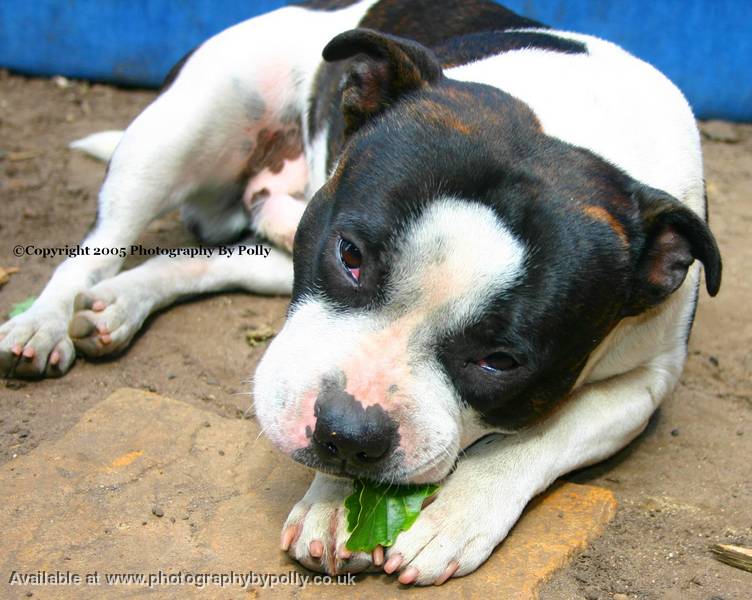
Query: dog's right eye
x=498, y=362
x=351, y=258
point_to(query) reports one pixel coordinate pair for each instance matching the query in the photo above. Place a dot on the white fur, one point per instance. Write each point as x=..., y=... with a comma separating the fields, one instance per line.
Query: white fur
x=457, y=256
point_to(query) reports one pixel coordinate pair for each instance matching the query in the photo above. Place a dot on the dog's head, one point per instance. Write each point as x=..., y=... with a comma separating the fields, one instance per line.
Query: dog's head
x=455, y=272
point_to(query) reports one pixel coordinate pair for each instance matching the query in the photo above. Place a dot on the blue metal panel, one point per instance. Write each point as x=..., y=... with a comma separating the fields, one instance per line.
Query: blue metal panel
x=124, y=41
x=704, y=46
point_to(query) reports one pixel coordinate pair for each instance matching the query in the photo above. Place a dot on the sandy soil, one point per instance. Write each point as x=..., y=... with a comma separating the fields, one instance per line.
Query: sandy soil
x=684, y=484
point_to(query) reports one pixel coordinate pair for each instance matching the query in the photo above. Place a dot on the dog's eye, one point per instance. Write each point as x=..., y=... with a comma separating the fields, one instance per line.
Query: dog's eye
x=498, y=361
x=351, y=258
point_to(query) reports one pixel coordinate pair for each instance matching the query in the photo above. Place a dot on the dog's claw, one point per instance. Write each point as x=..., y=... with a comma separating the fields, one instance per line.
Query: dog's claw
x=448, y=572
x=408, y=576
x=393, y=564
x=316, y=549
x=288, y=536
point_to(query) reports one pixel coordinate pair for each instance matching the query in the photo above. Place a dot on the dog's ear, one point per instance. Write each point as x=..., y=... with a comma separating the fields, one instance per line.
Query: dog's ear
x=385, y=68
x=673, y=237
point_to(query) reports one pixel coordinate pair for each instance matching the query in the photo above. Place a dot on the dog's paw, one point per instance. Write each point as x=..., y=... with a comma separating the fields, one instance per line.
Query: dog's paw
x=316, y=531
x=106, y=318
x=450, y=538
x=36, y=344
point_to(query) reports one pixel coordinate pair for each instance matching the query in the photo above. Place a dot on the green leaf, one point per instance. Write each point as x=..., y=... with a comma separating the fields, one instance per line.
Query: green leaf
x=21, y=307
x=377, y=513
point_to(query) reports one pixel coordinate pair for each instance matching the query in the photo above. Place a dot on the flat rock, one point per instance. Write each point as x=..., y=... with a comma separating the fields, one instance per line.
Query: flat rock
x=84, y=507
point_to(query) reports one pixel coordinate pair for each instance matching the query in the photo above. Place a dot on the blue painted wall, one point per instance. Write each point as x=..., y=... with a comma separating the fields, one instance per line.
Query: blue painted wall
x=704, y=46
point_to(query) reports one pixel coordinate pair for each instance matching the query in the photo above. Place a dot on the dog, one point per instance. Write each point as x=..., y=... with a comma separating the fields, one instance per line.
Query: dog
x=496, y=233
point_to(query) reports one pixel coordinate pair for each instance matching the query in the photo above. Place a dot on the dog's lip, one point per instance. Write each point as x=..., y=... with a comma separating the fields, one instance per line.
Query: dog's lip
x=435, y=471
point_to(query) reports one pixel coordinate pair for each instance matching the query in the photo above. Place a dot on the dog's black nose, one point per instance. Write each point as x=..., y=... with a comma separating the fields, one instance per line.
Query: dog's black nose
x=345, y=431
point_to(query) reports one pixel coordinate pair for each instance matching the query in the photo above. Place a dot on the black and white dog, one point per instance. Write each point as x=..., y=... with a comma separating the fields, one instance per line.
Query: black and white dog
x=495, y=227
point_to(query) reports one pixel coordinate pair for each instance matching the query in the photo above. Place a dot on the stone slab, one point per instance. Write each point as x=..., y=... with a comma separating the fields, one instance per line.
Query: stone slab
x=90, y=504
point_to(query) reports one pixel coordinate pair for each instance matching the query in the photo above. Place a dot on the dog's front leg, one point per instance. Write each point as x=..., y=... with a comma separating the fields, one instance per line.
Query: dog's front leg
x=111, y=312
x=482, y=499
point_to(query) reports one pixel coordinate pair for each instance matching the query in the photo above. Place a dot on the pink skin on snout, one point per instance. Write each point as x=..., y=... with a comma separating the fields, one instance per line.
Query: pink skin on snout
x=295, y=419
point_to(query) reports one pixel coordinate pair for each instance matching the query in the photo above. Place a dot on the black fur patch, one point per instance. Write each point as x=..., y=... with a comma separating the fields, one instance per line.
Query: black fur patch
x=576, y=214
x=173, y=73
x=325, y=4
x=433, y=23
x=475, y=46
x=587, y=225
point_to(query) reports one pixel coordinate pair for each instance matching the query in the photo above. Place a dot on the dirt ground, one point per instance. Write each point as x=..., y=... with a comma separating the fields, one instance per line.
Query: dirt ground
x=684, y=484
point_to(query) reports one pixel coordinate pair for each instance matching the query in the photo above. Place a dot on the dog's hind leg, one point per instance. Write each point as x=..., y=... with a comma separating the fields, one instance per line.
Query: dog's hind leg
x=242, y=92
x=109, y=314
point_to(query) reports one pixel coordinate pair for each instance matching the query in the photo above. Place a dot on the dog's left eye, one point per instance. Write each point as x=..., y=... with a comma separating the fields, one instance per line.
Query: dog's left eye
x=351, y=258
x=498, y=361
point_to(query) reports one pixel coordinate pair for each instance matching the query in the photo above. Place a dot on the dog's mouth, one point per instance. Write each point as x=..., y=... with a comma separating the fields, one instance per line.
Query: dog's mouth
x=434, y=470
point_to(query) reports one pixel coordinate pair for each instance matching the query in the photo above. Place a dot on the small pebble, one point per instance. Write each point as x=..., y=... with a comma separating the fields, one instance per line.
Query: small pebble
x=157, y=511
x=719, y=131
x=713, y=360
x=674, y=432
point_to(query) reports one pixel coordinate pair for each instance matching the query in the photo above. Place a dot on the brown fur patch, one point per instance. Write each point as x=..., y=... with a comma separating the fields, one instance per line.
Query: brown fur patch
x=433, y=112
x=273, y=147
x=601, y=214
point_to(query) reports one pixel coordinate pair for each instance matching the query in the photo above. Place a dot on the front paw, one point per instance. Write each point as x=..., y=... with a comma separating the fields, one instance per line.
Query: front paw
x=452, y=537
x=316, y=531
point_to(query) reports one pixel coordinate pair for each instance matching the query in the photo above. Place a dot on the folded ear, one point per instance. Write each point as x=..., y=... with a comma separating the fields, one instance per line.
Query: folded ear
x=386, y=67
x=674, y=236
